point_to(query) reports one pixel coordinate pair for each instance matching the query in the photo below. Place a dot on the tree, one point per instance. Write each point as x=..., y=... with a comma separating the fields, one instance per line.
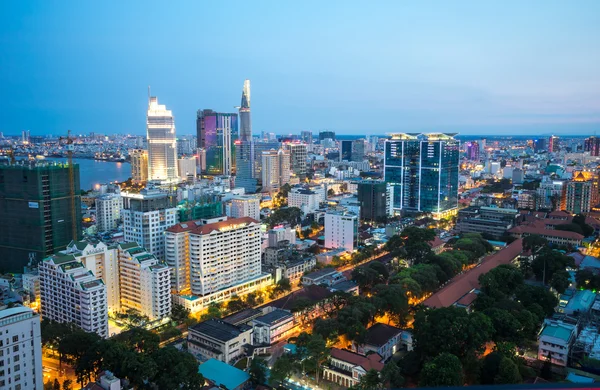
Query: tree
x=443, y=370
x=370, y=380
x=67, y=384
x=235, y=304
x=391, y=375
x=503, y=279
x=258, y=371
x=213, y=311
x=139, y=340
x=330, y=192
x=318, y=351
x=580, y=219
x=534, y=242
x=529, y=296
x=508, y=372
x=282, y=370
x=56, y=385
x=490, y=368
x=253, y=299
x=327, y=328
x=548, y=262
x=176, y=370
x=392, y=300
x=560, y=281
x=506, y=326
x=179, y=313
x=366, y=277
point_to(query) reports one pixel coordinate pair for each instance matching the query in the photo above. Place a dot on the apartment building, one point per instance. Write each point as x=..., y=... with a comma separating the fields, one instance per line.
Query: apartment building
x=244, y=206
x=108, y=212
x=555, y=340
x=305, y=199
x=145, y=283
x=20, y=349
x=272, y=327
x=341, y=230
x=72, y=293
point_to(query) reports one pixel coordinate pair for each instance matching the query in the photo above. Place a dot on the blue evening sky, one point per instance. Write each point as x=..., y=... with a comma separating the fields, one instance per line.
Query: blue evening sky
x=476, y=67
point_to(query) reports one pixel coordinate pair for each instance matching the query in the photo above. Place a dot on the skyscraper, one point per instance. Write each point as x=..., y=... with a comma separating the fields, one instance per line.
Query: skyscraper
x=423, y=168
x=217, y=134
x=36, y=212
x=539, y=145
x=245, y=145
x=373, y=197
x=592, y=145
x=298, y=155
x=326, y=135
x=345, y=150
x=553, y=144
x=275, y=169
x=472, y=149
x=162, y=142
x=139, y=165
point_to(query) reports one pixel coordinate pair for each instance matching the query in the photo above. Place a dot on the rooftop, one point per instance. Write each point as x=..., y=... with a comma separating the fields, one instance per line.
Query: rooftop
x=559, y=331
x=546, y=232
x=232, y=223
x=242, y=317
x=373, y=361
x=221, y=373
x=321, y=273
x=185, y=226
x=218, y=329
x=379, y=334
x=274, y=317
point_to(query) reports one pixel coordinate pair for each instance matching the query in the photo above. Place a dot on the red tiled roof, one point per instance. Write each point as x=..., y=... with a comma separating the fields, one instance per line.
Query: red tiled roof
x=211, y=227
x=529, y=229
x=464, y=283
x=559, y=214
x=437, y=241
x=373, y=361
x=184, y=226
x=467, y=299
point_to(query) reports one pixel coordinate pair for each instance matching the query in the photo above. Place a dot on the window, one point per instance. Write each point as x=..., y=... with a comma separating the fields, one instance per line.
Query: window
x=15, y=338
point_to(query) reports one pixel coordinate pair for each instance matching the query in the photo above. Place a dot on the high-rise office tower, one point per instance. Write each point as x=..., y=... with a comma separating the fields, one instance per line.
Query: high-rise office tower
x=162, y=142
x=423, y=168
x=259, y=148
x=358, y=150
x=22, y=350
x=592, y=145
x=298, y=155
x=341, y=230
x=275, y=169
x=581, y=194
x=245, y=146
x=217, y=134
x=553, y=144
x=146, y=216
x=326, y=135
x=108, y=212
x=307, y=137
x=373, y=198
x=345, y=150
x=472, y=150
x=187, y=168
x=139, y=165
x=539, y=145
x=37, y=212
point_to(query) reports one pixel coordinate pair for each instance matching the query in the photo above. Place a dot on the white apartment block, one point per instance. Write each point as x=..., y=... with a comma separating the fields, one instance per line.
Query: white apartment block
x=108, y=212
x=341, y=230
x=177, y=254
x=306, y=200
x=224, y=259
x=102, y=261
x=146, y=216
x=556, y=340
x=187, y=167
x=145, y=283
x=72, y=293
x=244, y=206
x=282, y=233
x=275, y=169
x=20, y=349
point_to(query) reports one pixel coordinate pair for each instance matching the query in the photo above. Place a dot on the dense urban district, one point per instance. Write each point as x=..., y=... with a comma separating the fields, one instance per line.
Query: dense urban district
x=310, y=261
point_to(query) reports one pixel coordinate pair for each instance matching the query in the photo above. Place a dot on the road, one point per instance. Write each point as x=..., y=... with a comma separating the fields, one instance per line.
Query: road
x=52, y=370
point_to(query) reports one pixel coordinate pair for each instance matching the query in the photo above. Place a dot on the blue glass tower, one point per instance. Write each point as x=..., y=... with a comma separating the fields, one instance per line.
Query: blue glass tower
x=423, y=169
x=217, y=136
x=245, y=146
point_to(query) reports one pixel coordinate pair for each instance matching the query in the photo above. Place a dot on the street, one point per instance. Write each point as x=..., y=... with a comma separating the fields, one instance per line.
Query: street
x=52, y=370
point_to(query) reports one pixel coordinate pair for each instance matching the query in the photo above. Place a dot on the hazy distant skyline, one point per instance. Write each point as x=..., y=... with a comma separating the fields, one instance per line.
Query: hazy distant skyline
x=472, y=67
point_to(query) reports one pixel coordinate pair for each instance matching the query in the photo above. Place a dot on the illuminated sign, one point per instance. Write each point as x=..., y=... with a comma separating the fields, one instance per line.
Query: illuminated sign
x=34, y=205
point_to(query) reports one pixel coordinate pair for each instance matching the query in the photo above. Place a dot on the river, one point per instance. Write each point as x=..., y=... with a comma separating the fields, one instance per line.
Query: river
x=94, y=172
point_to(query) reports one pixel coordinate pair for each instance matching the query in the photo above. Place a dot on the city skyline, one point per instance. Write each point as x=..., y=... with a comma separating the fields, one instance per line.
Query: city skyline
x=454, y=68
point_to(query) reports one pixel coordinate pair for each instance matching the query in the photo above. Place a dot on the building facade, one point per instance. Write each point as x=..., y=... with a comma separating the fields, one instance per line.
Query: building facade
x=145, y=218
x=298, y=156
x=341, y=230
x=592, y=145
x=472, y=150
x=373, y=198
x=244, y=206
x=162, y=142
x=139, y=165
x=245, y=145
x=275, y=169
x=423, y=168
x=216, y=339
x=70, y=293
x=186, y=167
x=581, y=194
x=21, y=355
x=217, y=135
x=108, y=212
x=38, y=214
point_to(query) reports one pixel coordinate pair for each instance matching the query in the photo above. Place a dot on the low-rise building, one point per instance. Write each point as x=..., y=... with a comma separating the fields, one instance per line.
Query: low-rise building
x=272, y=327
x=341, y=230
x=327, y=276
x=556, y=237
x=555, y=340
x=224, y=376
x=382, y=339
x=305, y=199
x=217, y=339
x=494, y=221
x=346, y=368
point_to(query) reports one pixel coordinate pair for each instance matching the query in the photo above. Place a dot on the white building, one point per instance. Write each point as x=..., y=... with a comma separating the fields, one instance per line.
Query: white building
x=177, y=254
x=102, y=261
x=108, y=212
x=224, y=259
x=72, y=293
x=306, y=200
x=145, y=218
x=244, y=206
x=162, y=142
x=556, y=340
x=341, y=230
x=281, y=233
x=216, y=339
x=145, y=283
x=275, y=169
x=31, y=284
x=187, y=168
x=298, y=158
x=272, y=327
x=21, y=354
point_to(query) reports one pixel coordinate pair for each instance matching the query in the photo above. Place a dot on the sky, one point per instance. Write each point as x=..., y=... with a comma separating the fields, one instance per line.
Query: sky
x=473, y=67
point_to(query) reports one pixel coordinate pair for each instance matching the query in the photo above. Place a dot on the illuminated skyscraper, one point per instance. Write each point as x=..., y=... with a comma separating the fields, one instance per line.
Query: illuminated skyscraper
x=423, y=168
x=162, y=142
x=592, y=145
x=472, y=149
x=217, y=134
x=245, y=145
x=553, y=144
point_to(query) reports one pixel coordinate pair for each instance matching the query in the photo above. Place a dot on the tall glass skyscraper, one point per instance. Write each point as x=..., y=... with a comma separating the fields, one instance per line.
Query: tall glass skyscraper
x=245, y=146
x=217, y=135
x=162, y=142
x=423, y=168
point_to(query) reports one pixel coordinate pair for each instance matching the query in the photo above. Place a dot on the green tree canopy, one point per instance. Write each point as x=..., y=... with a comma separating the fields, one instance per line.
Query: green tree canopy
x=444, y=370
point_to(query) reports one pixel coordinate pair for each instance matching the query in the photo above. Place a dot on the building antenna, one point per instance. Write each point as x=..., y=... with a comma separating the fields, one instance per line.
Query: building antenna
x=148, y=93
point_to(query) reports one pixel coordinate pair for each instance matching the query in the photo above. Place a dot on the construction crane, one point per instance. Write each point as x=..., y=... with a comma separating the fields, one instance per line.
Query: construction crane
x=68, y=141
